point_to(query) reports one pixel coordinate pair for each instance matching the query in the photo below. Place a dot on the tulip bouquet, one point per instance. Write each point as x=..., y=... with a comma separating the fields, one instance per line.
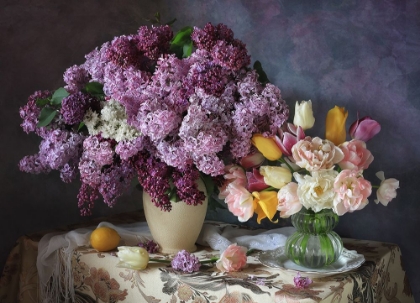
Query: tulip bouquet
x=290, y=170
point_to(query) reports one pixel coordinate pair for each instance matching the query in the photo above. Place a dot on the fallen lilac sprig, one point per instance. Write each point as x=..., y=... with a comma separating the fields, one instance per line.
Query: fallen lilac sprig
x=301, y=282
x=150, y=245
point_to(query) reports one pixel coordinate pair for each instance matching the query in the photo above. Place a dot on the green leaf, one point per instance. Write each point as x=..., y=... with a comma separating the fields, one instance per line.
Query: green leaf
x=46, y=116
x=81, y=125
x=171, y=22
x=182, y=43
x=58, y=96
x=173, y=197
x=41, y=102
x=94, y=88
x=187, y=50
x=262, y=76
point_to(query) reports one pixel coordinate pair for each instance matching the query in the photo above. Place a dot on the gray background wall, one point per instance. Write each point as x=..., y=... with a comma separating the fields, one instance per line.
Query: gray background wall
x=363, y=55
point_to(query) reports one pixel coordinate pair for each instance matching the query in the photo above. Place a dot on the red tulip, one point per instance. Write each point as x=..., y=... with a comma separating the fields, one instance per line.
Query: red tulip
x=364, y=129
x=255, y=181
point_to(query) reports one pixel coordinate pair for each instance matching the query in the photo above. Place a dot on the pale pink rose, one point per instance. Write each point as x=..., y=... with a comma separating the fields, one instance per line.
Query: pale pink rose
x=387, y=190
x=234, y=173
x=232, y=259
x=315, y=154
x=356, y=156
x=289, y=203
x=240, y=201
x=352, y=192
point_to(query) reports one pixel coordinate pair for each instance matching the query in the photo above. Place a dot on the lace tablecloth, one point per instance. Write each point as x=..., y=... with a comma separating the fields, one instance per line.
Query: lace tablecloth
x=97, y=279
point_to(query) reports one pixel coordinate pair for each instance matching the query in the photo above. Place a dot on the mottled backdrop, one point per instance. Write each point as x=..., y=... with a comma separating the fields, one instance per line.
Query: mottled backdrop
x=363, y=55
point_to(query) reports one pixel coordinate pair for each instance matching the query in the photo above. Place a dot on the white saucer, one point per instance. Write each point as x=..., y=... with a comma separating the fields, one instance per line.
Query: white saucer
x=277, y=258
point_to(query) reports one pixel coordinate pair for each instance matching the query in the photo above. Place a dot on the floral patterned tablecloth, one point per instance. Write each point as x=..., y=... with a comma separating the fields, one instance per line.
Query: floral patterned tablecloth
x=97, y=279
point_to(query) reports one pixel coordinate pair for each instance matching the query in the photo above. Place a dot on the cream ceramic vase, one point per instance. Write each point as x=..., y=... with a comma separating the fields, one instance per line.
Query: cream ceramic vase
x=178, y=229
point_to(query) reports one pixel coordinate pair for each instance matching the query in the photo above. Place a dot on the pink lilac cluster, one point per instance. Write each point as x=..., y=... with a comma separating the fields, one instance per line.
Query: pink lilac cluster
x=193, y=114
x=301, y=282
x=185, y=262
x=150, y=245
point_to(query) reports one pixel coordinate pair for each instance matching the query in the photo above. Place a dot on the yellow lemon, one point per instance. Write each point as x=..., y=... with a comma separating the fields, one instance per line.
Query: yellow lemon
x=104, y=238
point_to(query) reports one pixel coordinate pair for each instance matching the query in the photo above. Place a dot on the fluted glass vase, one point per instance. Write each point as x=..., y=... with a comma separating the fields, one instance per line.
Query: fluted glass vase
x=314, y=244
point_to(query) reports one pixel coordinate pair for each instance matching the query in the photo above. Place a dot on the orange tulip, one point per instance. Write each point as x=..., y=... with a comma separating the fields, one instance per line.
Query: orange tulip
x=267, y=146
x=266, y=204
x=335, y=125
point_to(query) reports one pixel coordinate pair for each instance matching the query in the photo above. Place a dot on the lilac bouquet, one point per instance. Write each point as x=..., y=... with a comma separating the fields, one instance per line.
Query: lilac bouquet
x=155, y=106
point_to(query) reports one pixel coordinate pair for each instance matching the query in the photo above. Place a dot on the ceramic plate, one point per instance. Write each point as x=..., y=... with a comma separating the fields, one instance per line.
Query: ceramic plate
x=348, y=261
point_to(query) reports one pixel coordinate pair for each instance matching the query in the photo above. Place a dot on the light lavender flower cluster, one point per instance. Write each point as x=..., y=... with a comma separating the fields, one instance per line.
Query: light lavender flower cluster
x=135, y=108
x=185, y=262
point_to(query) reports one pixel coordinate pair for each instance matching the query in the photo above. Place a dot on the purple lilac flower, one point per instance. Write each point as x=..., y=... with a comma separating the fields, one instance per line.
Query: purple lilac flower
x=186, y=188
x=74, y=107
x=207, y=37
x=96, y=62
x=127, y=149
x=76, y=77
x=123, y=52
x=115, y=180
x=154, y=41
x=30, y=112
x=99, y=150
x=301, y=282
x=153, y=177
x=68, y=173
x=186, y=262
x=86, y=199
x=150, y=245
x=33, y=164
x=233, y=57
x=90, y=172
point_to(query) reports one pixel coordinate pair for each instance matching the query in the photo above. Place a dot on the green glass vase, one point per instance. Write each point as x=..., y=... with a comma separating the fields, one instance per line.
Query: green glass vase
x=314, y=244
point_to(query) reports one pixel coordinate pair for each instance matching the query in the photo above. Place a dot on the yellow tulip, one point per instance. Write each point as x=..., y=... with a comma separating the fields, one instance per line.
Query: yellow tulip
x=276, y=176
x=267, y=146
x=335, y=125
x=266, y=204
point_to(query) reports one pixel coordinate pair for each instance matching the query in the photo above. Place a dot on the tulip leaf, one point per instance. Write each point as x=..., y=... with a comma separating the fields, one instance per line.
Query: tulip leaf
x=262, y=76
x=46, y=116
x=58, y=96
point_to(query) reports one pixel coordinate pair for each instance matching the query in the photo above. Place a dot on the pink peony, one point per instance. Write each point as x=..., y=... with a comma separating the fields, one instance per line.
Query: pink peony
x=356, y=156
x=289, y=203
x=352, y=191
x=240, y=201
x=315, y=154
x=232, y=259
x=387, y=190
x=235, y=174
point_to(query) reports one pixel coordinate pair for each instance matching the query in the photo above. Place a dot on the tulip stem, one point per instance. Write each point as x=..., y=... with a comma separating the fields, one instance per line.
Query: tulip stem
x=282, y=160
x=375, y=186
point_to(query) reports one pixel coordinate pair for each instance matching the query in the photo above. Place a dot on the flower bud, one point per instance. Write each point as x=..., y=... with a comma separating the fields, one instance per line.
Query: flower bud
x=276, y=176
x=304, y=116
x=133, y=257
x=364, y=129
x=335, y=126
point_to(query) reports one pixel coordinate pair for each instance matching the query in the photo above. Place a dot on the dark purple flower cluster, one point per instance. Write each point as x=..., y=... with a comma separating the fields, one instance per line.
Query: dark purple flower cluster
x=150, y=245
x=187, y=191
x=185, y=262
x=154, y=41
x=74, y=107
x=30, y=112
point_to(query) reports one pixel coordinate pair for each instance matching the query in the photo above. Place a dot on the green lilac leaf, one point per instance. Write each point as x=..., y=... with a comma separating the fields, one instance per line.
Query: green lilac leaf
x=171, y=22
x=46, y=116
x=94, y=88
x=41, y=102
x=58, y=96
x=262, y=76
x=187, y=50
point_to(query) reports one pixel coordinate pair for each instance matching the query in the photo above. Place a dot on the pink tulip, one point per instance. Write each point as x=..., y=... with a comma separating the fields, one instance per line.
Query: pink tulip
x=287, y=139
x=232, y=259
x=364, y=129
x=254, y=159
x=256, y=181
x=387, y=190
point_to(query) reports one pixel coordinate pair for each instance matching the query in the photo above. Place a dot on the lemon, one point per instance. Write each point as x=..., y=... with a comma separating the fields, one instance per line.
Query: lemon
x=104, y=238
